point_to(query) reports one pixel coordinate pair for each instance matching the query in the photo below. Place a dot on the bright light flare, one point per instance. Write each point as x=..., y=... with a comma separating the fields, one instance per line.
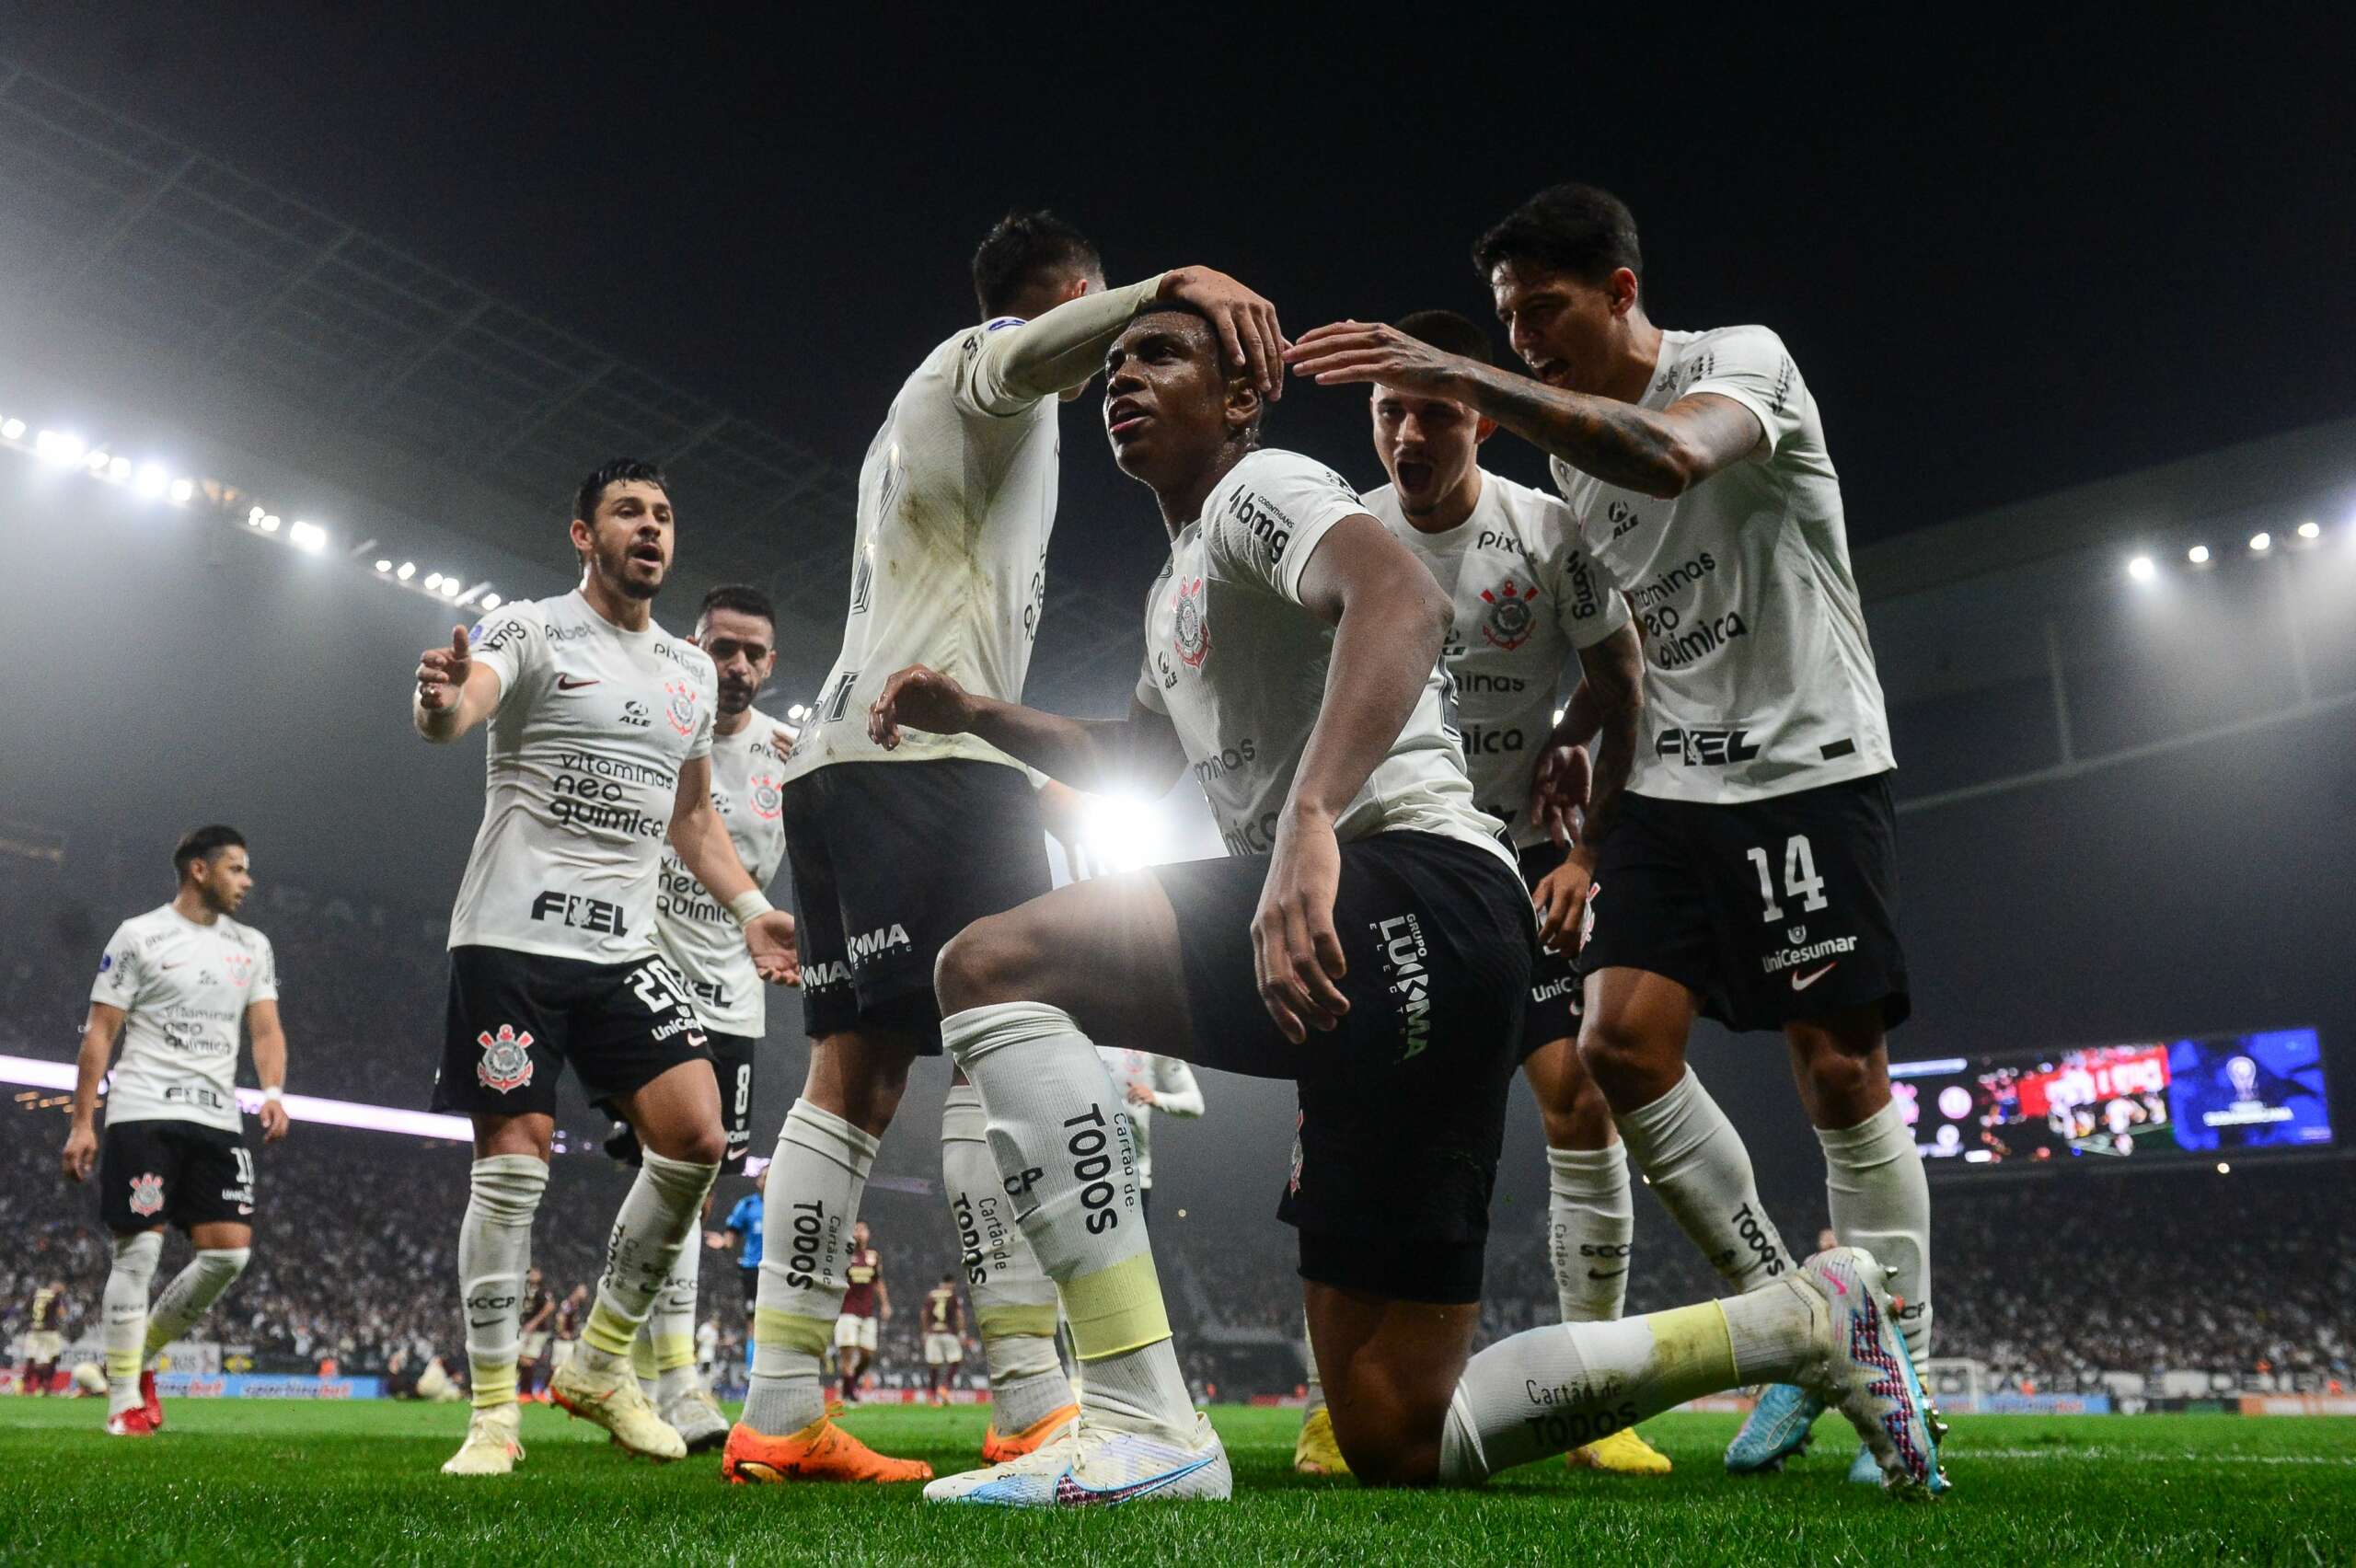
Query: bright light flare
x=433, y=580
x=2141, y=570
x=797, y=713
x=405, y=571
x=182, y=491
x=12, y=430
x=152, y=480
x=307, y=536
x=2259, y=542
x=2311, y=530
x=384, y=566
x=2198, y=554
x=492, y=601
x=60, y=447
x=1121, y=832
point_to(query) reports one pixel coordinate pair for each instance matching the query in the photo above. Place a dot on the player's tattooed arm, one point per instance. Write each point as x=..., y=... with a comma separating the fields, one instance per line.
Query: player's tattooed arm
x=454, y=691
x=1612, y=690
x=81, y=1152
x=701, y=839
x=1389, y=618
x=269, y=1064
x=1663, y=453
x=1141, y=752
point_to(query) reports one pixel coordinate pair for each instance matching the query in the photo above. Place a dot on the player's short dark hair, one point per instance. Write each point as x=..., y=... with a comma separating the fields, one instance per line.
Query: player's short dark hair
x=740, y=597
x=1022, y=251
x=203, y=843
x=614, y=471
x=1449, y=333
x=1579, y=229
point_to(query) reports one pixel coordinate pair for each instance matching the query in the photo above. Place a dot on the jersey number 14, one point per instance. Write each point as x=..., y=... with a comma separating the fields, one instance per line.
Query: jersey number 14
x=1800, y=880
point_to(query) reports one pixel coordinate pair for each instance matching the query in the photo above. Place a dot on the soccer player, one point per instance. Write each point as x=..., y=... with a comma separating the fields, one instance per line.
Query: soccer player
x=1752, y=871
x=176, y=983
x=536, y=1320
x=944, y=1337
x=893, y=851
x=744, y=1223
x=737, y=628
x=43, y=1343
x=1150, y=1084
x=1369, y=938
x=600, y=746
x=1525, y=599
x=866, y=1300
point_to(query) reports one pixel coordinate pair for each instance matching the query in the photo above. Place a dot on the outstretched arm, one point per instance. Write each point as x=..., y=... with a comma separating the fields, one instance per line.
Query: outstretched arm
x=1022, y=362
x=455, y=690
x=1141, y=752
x=1664, y=452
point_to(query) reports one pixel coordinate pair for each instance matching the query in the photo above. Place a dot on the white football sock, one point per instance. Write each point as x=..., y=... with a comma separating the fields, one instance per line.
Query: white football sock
x=1563, y=1386
x=126, y=1303
x=814, y=1186
x=1880, y=1199
x=191, y=1294
x=1060, y=1136
x=494, y=1253
x=1701, y=1172
x=658, y=1217
x=670, y=1332
x=1590, y=1230
x=1014, y=1301
x=1316, y=1384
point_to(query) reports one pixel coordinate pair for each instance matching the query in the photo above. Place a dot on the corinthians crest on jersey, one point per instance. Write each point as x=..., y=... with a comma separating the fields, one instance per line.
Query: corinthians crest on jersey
x=1190, y=632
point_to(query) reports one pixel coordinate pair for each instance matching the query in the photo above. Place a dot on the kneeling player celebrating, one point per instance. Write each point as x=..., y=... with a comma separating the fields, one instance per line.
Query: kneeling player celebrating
x=1292, y=651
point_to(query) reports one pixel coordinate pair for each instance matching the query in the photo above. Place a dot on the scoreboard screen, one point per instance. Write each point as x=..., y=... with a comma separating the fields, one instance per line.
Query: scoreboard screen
x=2150, y=1101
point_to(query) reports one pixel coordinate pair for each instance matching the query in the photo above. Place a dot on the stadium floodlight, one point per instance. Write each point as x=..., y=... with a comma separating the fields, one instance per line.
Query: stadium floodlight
x=2261, y=542
x=1122, y=833
x=492, y=601
x=97, y=463
x=59, y=446
x=12, y=430
x=384, y=566
x=450, y=587
x=2198, y=554
x=405, y=571
x=307, y=536
x=269, y=523
x=2310, y=530
x=153, y=479
x=433, y=580
x=119, y=470
x=2141, y=570
x=797, y=713
x=182, y=491
x=2224, y=1167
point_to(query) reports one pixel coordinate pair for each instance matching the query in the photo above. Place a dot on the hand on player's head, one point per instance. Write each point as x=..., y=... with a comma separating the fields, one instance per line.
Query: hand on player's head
x=1246, y=324
x=1369, y=350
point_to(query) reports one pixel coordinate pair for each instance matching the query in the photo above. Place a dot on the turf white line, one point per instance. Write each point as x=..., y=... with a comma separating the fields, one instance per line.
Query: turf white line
x=2060, y=1453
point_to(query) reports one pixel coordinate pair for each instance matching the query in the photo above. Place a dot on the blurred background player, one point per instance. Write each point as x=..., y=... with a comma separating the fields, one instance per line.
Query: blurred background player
x=893, y=852
x=535, y=1333
x=744, y=1223
x=944, y=1337
x=1750, y=873
x=1526, y=601
x=867, y=1302
x=567, y=1332
x=737, y=628
x=600, y=750
x=176, y=983
x=1150, y=1085
x=44, y=1343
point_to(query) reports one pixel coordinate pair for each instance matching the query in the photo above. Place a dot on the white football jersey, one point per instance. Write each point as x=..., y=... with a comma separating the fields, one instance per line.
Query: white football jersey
x=1175, y=1093
x=694, y=929
x=1240, y=666
x=950, y=563
x=1525, y=597
x=184, y=989
x=582, y=770
x=1759, y=680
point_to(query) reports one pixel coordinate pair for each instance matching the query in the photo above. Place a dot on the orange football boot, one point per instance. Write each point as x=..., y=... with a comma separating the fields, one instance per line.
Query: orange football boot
x=820, y=1452
x=998, y=1448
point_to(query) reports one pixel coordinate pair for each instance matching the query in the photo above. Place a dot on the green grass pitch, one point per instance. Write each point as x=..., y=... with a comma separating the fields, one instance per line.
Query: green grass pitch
x=244, y=1483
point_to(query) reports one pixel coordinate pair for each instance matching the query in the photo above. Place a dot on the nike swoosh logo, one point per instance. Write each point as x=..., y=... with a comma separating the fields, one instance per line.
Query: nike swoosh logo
x=486, y=1324
x=574, y=683
x=1802, y=982
x=1602, y=1274
x=1071, y=1493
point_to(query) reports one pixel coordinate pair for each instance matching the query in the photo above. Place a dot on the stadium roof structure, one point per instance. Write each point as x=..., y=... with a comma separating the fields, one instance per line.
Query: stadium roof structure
x=297, y=333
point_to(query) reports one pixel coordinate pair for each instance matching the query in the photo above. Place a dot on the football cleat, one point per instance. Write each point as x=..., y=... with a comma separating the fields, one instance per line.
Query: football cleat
x=492, y=1447
x=695, y=1416
x=820, y=1452
x=611, y=1399
x=148, y=1401
x=132, y=1423
x=1778, y=1428
x=1623, y=1453
x=1315, y=1452
x=1099, y=1466
x=1870, y=1377
x=998, y=1447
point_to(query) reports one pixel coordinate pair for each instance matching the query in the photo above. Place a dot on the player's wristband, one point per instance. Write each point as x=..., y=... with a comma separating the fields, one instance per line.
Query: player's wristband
x=271, y=1094
x=749, y=905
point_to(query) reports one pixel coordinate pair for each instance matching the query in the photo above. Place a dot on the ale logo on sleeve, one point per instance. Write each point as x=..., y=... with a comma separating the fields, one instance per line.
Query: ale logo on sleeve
x=1190, y=632
x=506, y=1059
x=1512, y=614
x=146, y=1194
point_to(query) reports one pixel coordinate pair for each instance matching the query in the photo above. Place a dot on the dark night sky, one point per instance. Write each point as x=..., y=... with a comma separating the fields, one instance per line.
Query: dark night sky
x=2007, y=261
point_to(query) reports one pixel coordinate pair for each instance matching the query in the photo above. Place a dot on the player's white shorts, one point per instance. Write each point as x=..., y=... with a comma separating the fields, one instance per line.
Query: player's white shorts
x=942, y=1349
x=536, y=1345
x=45, y=1346
x=854, y=1333
x=561, y=1355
